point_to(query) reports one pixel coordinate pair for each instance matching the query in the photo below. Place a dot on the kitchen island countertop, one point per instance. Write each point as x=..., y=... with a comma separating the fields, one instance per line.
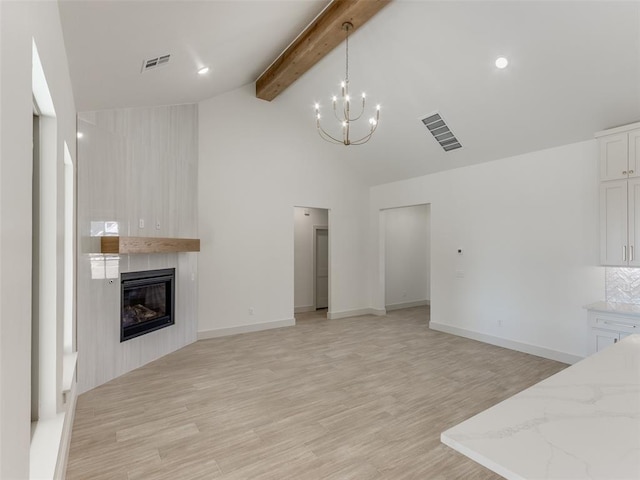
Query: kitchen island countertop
x=581, y=423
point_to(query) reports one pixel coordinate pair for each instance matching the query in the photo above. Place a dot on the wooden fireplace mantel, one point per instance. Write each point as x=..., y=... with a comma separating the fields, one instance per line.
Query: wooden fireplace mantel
x=148, y=245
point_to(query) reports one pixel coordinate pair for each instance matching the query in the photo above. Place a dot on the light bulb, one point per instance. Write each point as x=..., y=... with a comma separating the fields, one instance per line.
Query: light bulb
x=335, y=99
x=502, y=62
x=342, y=84
x=347, y=98
x=364, y=95
x=378, y=107
x=317, y=106
x=318, y=116
x=344, y=124
x=80, y=135
x=203, y=71
x=372, y=121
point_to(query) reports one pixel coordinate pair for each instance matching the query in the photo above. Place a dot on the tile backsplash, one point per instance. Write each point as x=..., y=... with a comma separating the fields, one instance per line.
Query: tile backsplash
x=622, y=285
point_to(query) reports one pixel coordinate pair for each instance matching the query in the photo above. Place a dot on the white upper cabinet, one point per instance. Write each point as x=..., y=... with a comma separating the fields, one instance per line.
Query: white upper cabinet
x=614, y=249
x=614, y=157
x=633, y=214
x=619, y=152
x=620, y=196
x=634, y=151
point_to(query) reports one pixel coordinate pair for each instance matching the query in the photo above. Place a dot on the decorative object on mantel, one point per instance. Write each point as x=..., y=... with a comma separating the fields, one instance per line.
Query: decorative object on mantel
x=115, y=245
x=344, y=117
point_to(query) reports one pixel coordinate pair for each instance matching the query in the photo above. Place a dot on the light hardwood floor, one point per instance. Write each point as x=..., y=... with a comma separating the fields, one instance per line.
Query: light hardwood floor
x=359, y=398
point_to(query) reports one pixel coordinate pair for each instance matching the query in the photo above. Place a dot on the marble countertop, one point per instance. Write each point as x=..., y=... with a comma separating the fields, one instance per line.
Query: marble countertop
x=582, y=423
x=610, y=307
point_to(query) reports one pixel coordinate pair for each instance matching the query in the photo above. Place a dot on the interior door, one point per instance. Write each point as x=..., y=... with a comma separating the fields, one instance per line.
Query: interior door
x=322, y=268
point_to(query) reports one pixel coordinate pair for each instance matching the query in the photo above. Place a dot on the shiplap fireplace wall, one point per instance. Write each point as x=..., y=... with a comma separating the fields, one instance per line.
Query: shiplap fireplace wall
x=137, y=176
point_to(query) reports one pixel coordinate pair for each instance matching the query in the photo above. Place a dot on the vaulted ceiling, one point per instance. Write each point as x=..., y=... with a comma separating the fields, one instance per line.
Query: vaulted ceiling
x=574, y=68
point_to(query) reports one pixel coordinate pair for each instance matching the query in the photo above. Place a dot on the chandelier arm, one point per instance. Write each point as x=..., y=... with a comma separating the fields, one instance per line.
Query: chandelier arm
x=356, y=118
x=362, y=141
x=326, y=136
x=329, y=139
x=335, y=113
x=366, y=138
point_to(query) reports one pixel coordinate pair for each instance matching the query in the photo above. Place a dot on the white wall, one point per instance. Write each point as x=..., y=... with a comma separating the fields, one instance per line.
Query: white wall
x=528, y=226
x=256, y=163
x=407, y=256
x=303, y=253
x=20, y=22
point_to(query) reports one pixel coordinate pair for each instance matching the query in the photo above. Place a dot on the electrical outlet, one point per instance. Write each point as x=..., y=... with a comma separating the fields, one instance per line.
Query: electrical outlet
x=157, y=224
x=251, y=311
x=141, y=223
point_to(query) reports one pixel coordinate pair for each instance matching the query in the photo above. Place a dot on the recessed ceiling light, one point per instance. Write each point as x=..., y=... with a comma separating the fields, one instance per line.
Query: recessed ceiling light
x=502, y=62
x=203, y=71
x=80, y=134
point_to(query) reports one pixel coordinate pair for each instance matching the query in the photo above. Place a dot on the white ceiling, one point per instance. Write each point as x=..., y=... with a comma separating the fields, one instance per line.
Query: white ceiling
x=574, y=69
x=107, y=41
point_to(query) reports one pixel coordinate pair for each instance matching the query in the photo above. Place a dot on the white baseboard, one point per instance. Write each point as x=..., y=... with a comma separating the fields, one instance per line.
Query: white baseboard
x=254, y=327
x=308, y=308
x=399, y=306
x=355, y=313
x=510, y=344
x=65, y=441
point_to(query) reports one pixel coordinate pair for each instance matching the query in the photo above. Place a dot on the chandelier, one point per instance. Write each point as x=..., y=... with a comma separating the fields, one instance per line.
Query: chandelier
x=343, y=108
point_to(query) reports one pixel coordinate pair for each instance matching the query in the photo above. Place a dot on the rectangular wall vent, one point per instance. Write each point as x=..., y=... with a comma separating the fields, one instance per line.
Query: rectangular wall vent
x=441, y=132
x=155, y=62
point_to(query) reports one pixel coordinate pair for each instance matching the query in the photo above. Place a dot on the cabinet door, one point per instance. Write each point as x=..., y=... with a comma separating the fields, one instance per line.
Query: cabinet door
x=613, y=223
x=624, y=335
x=634, y=153
x=633, y=192
x=603, y=338
x=614, y=158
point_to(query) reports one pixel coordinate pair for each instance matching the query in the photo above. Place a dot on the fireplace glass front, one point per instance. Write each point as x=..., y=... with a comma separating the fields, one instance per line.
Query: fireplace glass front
x=147, y=302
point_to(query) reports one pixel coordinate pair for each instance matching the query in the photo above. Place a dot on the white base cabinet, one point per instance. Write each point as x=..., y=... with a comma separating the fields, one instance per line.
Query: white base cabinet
x=607, y=328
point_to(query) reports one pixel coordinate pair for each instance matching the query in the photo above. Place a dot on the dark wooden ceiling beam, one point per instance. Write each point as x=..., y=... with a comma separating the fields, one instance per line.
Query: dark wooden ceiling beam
x=323, y=35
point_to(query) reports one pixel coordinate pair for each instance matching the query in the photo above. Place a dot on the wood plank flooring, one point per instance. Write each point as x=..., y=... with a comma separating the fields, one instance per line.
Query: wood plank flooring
x=360, y=398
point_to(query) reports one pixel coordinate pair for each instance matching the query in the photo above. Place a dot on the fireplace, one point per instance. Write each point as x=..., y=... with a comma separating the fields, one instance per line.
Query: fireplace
x=147, y=302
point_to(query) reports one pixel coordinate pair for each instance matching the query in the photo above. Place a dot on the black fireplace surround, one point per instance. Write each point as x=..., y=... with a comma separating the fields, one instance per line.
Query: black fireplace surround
x=147, y=302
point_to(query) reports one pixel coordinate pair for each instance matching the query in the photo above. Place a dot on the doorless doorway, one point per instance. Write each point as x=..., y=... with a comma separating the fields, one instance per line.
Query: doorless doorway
x=407, y=257
x=311, y=259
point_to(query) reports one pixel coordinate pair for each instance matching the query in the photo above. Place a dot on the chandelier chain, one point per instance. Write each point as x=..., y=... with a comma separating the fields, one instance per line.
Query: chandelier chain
x=347, y=56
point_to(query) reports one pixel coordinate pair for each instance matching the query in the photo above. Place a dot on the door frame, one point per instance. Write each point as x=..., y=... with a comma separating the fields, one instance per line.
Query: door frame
x=316, y=228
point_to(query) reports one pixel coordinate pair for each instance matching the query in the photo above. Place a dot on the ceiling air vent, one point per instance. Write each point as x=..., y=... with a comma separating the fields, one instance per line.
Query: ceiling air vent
x=441, y=132
x=155, y=62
